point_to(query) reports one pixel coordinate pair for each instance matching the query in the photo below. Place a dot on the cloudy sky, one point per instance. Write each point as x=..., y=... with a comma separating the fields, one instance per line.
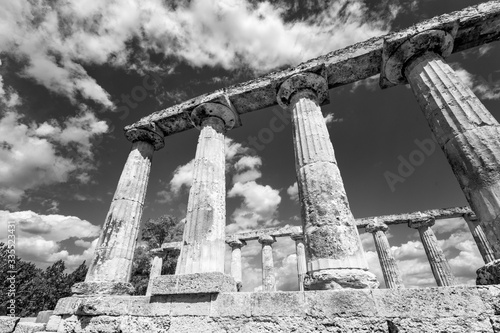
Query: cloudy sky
x=74, y=73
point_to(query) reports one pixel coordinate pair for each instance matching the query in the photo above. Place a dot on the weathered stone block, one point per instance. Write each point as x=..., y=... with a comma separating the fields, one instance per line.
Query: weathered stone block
x=340, y=303
x=26, y=327
x=53, y=323
x=430, y=302
x=190, y=324
x=278, y=304
x=489, y=273
x=231, y=305
x=142, y=306
x=68, y=305
x=102, y=288
x=84, y=324
x=131, y=324
x=7, y=324
x=491, y=297
x=299, y=324
x=43, y=316
x=439, y=325
x=190, y=305
x=97, y=306
x=197, y=283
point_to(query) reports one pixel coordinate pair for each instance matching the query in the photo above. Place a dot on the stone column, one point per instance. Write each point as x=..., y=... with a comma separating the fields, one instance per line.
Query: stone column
x=268, y=277
x=236, y=246
x=439, y=265
x=467, y=133
x=203, y=246
x=335, y=257
x=478, y=234
x=300, y=250
x=392, y=275
x=156, y=265
x=110, y=268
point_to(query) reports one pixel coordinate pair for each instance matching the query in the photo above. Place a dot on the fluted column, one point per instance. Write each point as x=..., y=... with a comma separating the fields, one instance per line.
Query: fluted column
x=335, y=257
x=268, y=274
x=112, y=261
x=480, y=238
x=300, y=250
x=392, y=275
x=203, y=246
x=236, y=246
x=439, y=265
x=465, y=130
x=156, y=265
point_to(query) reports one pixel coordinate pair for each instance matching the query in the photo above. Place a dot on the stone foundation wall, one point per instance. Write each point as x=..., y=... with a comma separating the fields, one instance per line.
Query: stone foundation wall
x=447, y=309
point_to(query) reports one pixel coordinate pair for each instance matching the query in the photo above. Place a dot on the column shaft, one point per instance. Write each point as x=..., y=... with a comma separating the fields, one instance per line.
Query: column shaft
x=335, y=256
x=156, y=265
x=480, y=238
x=204, y=235
x=439, y=265
x=300, y=250
x=467, y=133
x=392, y=275
x=112, y=261
x=268, y=277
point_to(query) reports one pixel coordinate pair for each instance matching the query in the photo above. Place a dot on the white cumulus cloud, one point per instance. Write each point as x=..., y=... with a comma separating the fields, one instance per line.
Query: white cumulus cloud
x=31, y=155
x=39, y=237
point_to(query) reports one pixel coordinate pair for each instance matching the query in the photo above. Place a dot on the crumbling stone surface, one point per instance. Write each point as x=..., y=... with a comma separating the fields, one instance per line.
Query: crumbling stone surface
x=197, y=283
x=489, y=273
x=7, y=324
x=25, y=327
x=330, y=279
x=450, y=324
x=495, y=323
x=102, y=288
x=490, y=296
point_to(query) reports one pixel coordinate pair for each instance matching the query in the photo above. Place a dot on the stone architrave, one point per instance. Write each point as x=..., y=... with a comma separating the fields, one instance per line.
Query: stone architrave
x=204, y=245
x=439, y=265
x=268, y=273
x=335, y=257
x=156, y=265
x=466, y=131
x=236, y=273
x=392, y=275
x=110, y=268
x=300, y=250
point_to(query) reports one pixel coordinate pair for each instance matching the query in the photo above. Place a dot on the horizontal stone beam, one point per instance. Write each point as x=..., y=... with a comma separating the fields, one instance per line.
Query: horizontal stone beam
x=437, y=214
x=477, y=25
x=361, y=223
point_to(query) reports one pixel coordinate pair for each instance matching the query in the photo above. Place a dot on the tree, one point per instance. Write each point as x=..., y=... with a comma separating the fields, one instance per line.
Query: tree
x=35, y=290
x=154, y=233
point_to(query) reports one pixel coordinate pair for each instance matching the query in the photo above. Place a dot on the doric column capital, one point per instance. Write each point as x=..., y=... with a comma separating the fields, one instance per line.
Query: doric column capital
x=375, y=226
x=206, y=112
x=424, y=222
x=316, y=86
x=470, y=217
x=297, y=236
x=236, y=243
x=267, y=240
x=151, y=134
x=399, y=52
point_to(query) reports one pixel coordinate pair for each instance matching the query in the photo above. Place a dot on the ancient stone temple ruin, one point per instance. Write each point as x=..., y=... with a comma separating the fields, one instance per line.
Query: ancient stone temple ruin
x=337, y=292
